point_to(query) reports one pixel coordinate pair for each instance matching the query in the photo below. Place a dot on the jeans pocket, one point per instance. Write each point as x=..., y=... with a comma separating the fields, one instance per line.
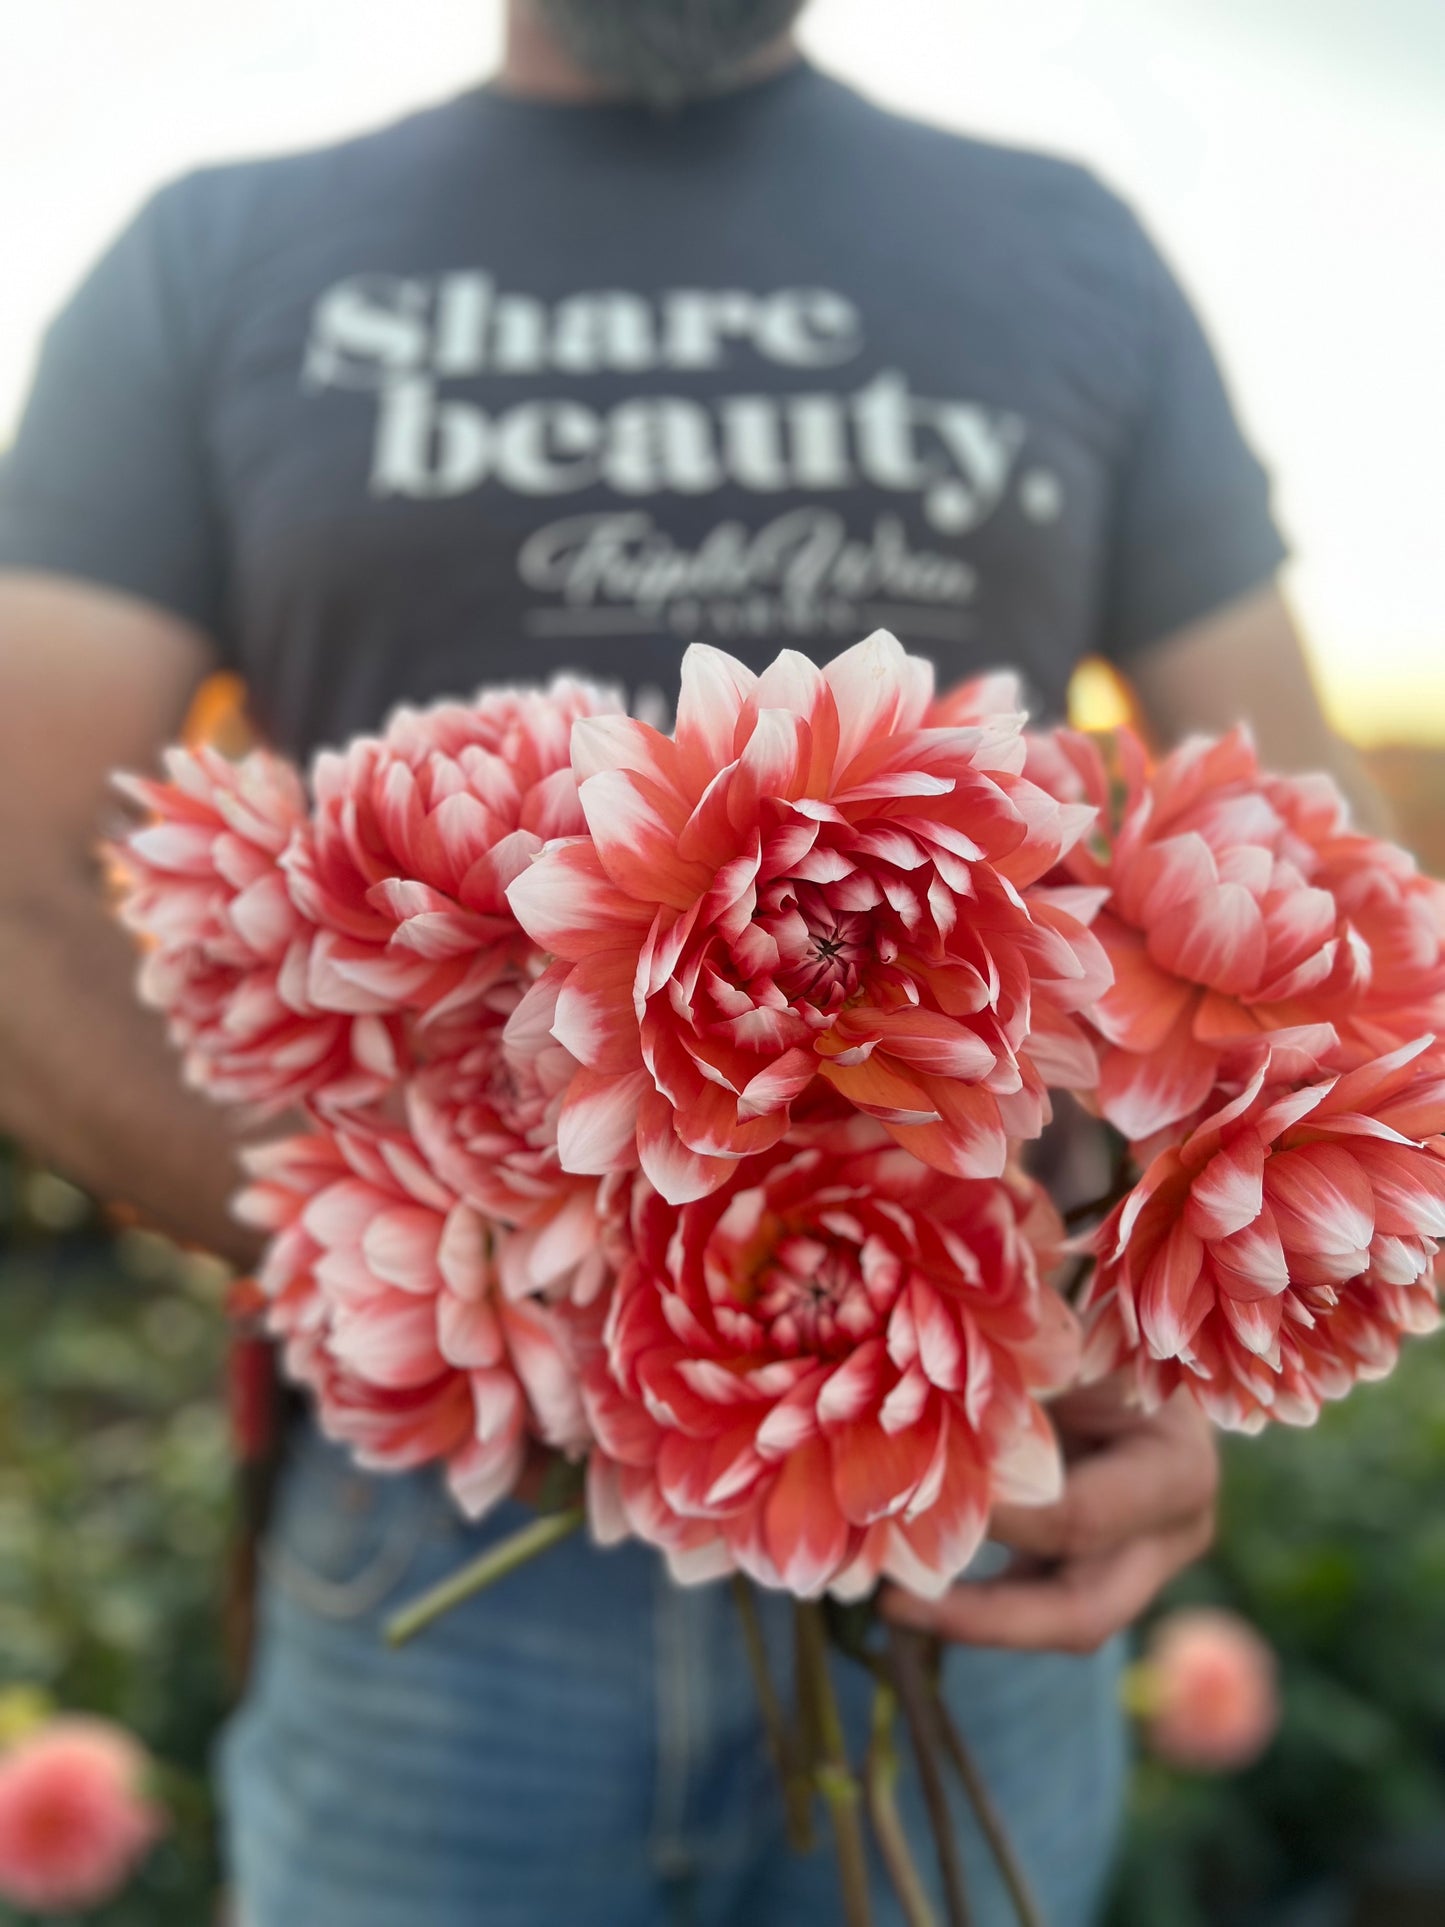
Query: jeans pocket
x=342, y=1540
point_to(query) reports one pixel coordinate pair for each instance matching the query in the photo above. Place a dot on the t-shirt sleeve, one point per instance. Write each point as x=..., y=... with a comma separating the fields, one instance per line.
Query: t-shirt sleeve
x=1192, y=525
x=108, y=478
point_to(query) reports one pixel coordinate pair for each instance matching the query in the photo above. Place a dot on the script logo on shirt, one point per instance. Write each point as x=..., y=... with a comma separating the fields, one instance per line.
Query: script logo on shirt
x=407, y=340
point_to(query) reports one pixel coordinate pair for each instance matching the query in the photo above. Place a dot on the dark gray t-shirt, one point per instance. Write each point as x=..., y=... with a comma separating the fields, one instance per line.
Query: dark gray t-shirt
x=510, y=387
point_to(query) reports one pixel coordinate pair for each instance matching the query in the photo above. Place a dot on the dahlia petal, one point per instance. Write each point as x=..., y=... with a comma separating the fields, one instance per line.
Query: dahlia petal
x=484, y=1472
x=568, y=904
x=679, y=1174
x=1146, y=1002
x=879, y=691
x=636, y=843
x=1254, y=1323
x=400, y=1247
x=940, y=1346
x=1220, y=941
x=553, y=1393
x=701, y=1477
x=1321, y=1199
x=593, y=1013
x=853, y=1387
x=928, y=1553
x=876, y=1473
x=1141, y=1093
x=775, y=1087
x=1029, y=1469
x=1228, y=1193
x=389, y=1339
x=468, y=1334
x=925, y=1041
x=598, y=1122
x=713, y=689
x=805, y=1534
x=1171, y=1305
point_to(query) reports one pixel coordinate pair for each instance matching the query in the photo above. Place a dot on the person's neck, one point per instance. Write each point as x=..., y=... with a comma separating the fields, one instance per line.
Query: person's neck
x=535, y=66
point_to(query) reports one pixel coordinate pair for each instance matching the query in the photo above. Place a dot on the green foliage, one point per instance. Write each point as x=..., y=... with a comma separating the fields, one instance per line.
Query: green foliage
x=114, y=1498
x=1332, y=1542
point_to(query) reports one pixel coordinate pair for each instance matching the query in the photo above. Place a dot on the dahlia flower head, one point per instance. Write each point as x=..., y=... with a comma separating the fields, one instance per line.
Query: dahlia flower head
x=75, y=1817
x=829, y=1369
x=1281, y=1251
x=1239, y=904
x=226, y=950
x=815, y=879
x=1208, y=1683
x=314, y=950
x=384, y=1288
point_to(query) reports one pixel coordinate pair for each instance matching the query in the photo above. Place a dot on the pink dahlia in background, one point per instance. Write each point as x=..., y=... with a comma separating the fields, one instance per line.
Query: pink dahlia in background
x=227, y=951
x=1240, y=904
x=1286, y=1246
x=75, y=1819
x=486, y=1121
x=808, y=881
x=827, y=1370
x=383, y=1288
x=416, y=834
x=1207, y=1686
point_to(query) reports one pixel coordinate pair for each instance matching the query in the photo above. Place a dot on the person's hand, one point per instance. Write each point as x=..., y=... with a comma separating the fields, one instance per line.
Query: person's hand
x=1137, y=1507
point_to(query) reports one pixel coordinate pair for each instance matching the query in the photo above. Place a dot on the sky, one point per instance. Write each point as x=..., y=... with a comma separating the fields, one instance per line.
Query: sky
x=1288, y=154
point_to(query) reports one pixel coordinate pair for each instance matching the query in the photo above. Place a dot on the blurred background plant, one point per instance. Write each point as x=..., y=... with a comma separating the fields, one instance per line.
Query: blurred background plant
x=114, y=1502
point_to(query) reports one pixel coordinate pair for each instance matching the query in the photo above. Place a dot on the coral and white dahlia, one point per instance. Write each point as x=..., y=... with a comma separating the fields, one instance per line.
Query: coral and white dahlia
x=416, y=834
x=486, y=1121
x=1240, y=904
x=809, y=881
x=227, y=952
x=383, y=1289
x=1282, y=1251
x=829, y=1369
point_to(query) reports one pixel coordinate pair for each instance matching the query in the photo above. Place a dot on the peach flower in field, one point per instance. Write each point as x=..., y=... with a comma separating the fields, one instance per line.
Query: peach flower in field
x=416, y=834
x=486, y=1122
x=828, y=1370
x=383, y=1288
x=1286, y=1246
x=809, y=881
x=75, y=1820
x=1207, y=1687
x=227, y=951
x=1240, y=904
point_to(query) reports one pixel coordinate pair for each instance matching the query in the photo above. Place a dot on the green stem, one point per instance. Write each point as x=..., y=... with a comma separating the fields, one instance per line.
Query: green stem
x=495, y=1563
x=836, y=1780
x=782, y=1744
x=919, y=1698
x=990, y=1821
x=881, y=1780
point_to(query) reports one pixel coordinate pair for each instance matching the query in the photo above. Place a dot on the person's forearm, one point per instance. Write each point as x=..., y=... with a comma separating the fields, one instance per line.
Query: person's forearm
x=87, y=1081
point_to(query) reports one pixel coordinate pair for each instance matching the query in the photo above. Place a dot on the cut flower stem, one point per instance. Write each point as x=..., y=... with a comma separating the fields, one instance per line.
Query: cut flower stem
x=495, y=1563
x=836, y=1780
x=785, y=1745
x=881, y=1781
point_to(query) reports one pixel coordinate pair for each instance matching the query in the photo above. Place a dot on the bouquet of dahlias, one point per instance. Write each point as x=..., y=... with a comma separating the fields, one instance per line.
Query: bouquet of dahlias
x=665, y=1097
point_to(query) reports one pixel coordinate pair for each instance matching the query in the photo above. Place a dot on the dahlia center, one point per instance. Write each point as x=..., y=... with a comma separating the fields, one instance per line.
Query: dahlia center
x=823, y=950
x=809, y=1295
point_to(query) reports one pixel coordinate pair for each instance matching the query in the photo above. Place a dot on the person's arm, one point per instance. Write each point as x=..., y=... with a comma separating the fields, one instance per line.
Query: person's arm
x=91, y=681
x=1245, y=663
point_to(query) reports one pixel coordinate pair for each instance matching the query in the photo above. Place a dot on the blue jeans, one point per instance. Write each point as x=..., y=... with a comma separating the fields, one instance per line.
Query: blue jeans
x=580, y=1746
